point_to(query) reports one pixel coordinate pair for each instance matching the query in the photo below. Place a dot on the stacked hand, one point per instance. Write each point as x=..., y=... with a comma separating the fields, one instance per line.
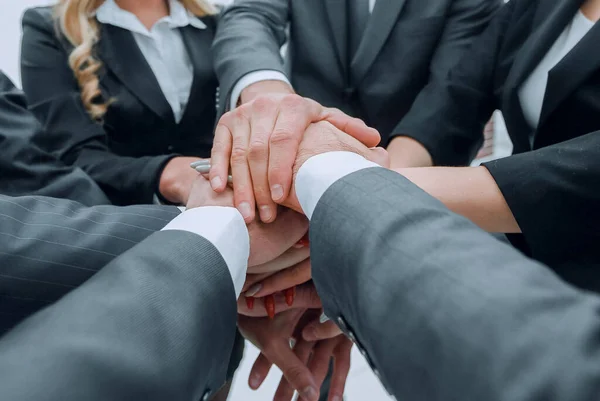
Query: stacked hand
x=262, y=145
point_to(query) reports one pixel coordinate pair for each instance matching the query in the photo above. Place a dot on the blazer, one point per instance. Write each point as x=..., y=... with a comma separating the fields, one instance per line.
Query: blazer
x=125, y=154
x=49, y=247
x=25, y=169
x=442, y=310
x=144, y=328
x=551, y=192
x=407, y=46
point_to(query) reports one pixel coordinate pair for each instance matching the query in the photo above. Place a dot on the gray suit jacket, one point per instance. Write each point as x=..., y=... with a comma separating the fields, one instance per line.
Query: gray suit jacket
x=407, y=45
x=156, y=324
x=442, y=310
x=27, y=170
x=49, y=247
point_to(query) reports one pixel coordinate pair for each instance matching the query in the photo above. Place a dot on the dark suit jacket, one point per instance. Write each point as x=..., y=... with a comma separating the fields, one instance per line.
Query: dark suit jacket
x=553, y=193
x=408, y=45
x=442, y=310
x=157, y=323
x=27, y=170
x=48, y=247
x=126, y=154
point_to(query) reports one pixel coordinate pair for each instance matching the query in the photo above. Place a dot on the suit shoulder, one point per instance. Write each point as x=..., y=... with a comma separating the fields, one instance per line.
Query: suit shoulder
x=40, y=18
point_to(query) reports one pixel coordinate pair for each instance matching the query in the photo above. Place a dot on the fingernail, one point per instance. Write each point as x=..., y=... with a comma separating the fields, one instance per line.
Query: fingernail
x=204, y=162
x=292, y=342
x=255, y=381
x=252, y=291
x=265, y=213
x=245, y=210
x=276, y=192
x=323, y=318
x=216, y=182
x=310, y=394
x=203, y=169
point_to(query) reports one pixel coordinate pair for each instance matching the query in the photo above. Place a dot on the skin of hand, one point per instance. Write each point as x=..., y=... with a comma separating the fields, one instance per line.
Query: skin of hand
x=260, y=140
x=306, y=297
x=271, y=245
x=304, y=365
x=261, y=285
x=406, y=152
x=176, y=180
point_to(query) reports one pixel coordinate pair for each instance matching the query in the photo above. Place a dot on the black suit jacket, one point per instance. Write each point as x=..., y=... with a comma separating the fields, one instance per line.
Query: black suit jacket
x=407, y=46
x=25, y=169
x=442, y=310
x=553, y=190
x=126, y=154
x=157, y=323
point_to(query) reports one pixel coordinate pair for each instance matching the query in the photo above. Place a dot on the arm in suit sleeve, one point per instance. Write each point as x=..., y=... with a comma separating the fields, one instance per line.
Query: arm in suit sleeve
x=249, y=39
x=50, y=246
x=553, y=194
x=158, y=323
x=69, y=132
x=443, y=310
x=28, y=170
x=450, y=113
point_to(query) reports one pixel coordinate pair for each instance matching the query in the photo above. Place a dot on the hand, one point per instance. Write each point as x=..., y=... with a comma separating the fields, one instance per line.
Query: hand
x=260, y=141
x=406, y=152
x=306, y=297
x=321, y=138
x=176, y=180
x=305, y=364
x=272, y=246
x=260, y=285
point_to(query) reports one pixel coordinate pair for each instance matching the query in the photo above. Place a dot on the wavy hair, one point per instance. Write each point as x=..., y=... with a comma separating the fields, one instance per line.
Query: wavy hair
x=76, y=21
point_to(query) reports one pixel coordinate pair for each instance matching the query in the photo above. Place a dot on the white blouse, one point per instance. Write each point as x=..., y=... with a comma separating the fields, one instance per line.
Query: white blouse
x=533, y=90
x=163, y=48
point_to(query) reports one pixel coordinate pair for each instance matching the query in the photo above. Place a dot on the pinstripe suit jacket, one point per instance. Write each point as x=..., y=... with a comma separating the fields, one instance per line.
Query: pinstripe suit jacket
x=50, y=246
x=156, y=324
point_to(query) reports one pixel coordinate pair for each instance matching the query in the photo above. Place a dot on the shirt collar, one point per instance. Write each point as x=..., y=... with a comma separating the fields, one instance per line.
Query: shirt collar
x=110, y=13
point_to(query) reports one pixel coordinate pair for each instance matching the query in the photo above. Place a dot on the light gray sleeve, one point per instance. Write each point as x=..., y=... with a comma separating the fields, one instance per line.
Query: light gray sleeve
x=158, y=323
x=249, y=39
x=443, y=310
x=50, y=246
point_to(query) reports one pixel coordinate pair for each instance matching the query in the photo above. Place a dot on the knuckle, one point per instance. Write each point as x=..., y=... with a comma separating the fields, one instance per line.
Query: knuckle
x=227, y=118
x=292, y=101
x=258, y=147
x=263, y=103
x=282, y=136
x=294, y=373
x=238, y=154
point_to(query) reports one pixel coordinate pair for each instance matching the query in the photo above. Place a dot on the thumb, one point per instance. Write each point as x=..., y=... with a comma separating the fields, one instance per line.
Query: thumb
x=316, y=331
x=378, y=155
x=354, y=127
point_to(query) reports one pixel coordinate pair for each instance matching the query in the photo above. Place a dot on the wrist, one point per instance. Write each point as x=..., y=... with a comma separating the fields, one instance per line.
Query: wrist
x=265, y=87
x=406, y=152
x=176, y=180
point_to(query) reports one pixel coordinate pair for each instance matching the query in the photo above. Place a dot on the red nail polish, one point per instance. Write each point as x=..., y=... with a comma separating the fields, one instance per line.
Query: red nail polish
x=250, y=302
x=289, y=296
x=270, y=306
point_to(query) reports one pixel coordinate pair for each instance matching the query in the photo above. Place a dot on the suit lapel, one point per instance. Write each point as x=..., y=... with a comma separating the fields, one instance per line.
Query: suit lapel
x=121, y=55
x=381, y=23
x=577, y=66
x=550, y=19
x=198, y=43
x=337, y=12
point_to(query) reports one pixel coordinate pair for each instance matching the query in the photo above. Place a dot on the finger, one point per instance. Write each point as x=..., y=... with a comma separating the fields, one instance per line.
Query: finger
x=282, y=280
x=220, y=155
x=341, y=368
x=380, y=156
x=306, y=297
x=262, y=122
x=295, y=115
x=285, y=390
x=352, y=126
x=320, y=331
x=259, y=371
x=294, y=370
x=289, y=258
x=242, y=181
x=252, y=279
x=319, y=363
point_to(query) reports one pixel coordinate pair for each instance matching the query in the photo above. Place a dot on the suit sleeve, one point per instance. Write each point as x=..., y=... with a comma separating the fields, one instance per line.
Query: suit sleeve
x=249, y=38
x=48, y=247
x=69, y=132
x=553, y=194
x=157, y=323
x=443, y=310
x=450, y=113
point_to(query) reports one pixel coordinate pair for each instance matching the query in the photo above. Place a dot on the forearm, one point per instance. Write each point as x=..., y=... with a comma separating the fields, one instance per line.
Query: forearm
x=468, y=191
x=264, y=87
x=406, y=152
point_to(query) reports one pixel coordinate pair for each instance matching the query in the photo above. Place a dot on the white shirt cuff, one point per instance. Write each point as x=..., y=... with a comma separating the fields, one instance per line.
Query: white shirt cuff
x=319, y=172
x=252, y=78
x=224, y=227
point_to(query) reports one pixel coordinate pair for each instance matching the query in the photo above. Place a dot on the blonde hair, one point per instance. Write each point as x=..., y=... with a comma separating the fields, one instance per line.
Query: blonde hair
x=76, y=21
